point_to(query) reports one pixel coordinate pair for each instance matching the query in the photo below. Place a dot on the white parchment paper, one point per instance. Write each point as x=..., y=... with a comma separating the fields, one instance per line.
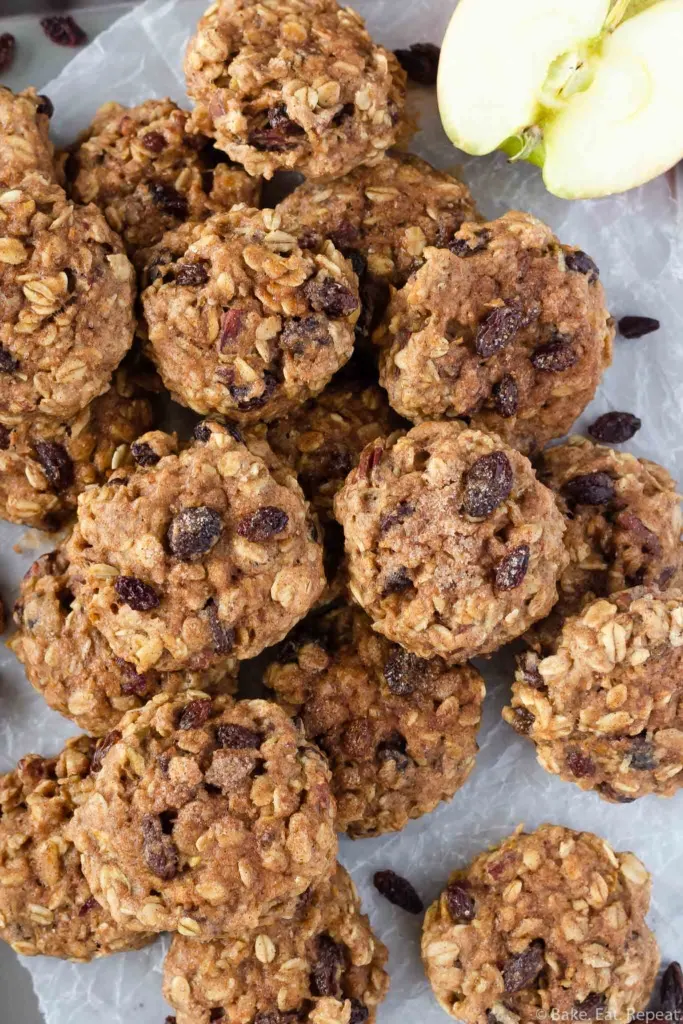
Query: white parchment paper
x=638, y=243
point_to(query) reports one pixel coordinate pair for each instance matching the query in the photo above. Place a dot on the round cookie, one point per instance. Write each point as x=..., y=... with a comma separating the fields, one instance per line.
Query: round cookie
x=506, y=327
x=46, y=905
x=148, y=174
x=71, y=664
x=547, y=923
x=244, y=322
x=605, y=706
x=281, y=84
x=68, y=292
x=208, y=817
x=323, y=965
x=196, y=555
x=24, y=127
x=399, y=731
x=45, y=464
x=453, y=547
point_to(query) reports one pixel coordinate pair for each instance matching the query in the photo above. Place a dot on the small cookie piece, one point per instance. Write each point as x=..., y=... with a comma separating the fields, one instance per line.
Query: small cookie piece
x=46, y=905
x=605, y=706
x=506, y=327
x=281, y=84
x=71, y=664
x=453, y=547
x=68, y=292
x=551, y=922
x=197, y=555
x=24, y=127
x=323, y=965
x=148, y=174
x=45, y=464
x=209, y=817
x=244, y=322
x=399, y=731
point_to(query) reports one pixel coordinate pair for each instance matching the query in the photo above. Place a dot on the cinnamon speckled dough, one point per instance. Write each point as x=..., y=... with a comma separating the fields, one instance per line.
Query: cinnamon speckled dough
x=506, y=327
x=324, y=965
x=24, y=127
x=604, y=707
x=549, y=921
x=68, y=292
x=399, y=731
x=209, y=817
x=244, y=322
x=453, y=547
x=45, y=464
x=71, y=664
x=296, y=84
x=46, y=905
x=148, y=174
x=196, y=555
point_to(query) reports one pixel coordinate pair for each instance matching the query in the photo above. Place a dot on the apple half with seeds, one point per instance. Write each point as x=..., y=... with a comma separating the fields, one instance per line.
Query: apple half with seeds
x=589, y=90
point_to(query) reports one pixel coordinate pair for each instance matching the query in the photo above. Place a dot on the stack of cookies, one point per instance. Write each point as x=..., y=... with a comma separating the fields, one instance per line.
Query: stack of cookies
x=366, y=495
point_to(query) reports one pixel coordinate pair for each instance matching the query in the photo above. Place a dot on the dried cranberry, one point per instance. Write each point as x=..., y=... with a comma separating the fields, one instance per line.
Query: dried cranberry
x=671, y=991
x=398, y=890
x=56, y=463
x=579, y=764
x=238, y=737
x=512, y=569
x=4, y=438
x=191, y=275
x=555, y=356
x=615, y=427
x=580, y=263
x=154, y=142
x=488, y=483
x=404, y=672
x=397, y=582
x=195, y=714
x=8, y=46
x=136, y=594
x=404, y=510
x=637, y=326
x=63, y=30
x=158, y=850
x=102, y=749
x=144, y=454
x=497, y=329
x=327, y=969
x=460, y=904
x=169, y=199
x=45, y=106
x=523, y=968
x=330, y=297
x=263, y=524
x=506, y=396
x=420, y=62
x=194, y=532
x=589, y=489
x=8, y=364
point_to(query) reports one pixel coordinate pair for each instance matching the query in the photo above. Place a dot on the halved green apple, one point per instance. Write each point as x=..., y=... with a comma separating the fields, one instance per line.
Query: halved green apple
x=589, y=90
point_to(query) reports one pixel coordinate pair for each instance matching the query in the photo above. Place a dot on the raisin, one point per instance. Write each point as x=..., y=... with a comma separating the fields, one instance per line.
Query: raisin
x=671, y=991
x=642, y=754
x=555, y=356
x=63, y=30
x=589, y=489
x=612, y=794
x=404, y=510
x=580, y=765
x=637, y=326
x=300, y=332
x=394, y=749
x=231, y=328
x=581, y=263
x=193, y=532
x=528, y=663
x=191, y=275
x=276, y=1017
x=137, y=595
x=327, y=969
x=512, y=569
x=375, y=294
x=202, y=432
x=330, y=297
x=238, y=737
x=223, y=636
x=86, y=907
x=45, y=106
x=463, y=247
x=345, y=237
x=218, y=1013
x=420, y=62
x=102, y=749
x=154, y=142
x=591, y=1007
x=459, y=902
x=57, y=464
x=4, y=438
x=523, y=722
x=158, y=850
x=497, y=330
x=194, y=714
x=359, y=1012
x=144, y=454
x=263, y=524
x=398, y=890
x=523, y=968
x=397, y=582
x=279, y=135
x=648, y=540
x=169, y=199
x=488, y=483
x=8, y=364
x=404, y=672
x=245, y=404
x=153, y=270
x=615, y=427
x=8, y=46
x=506, y=396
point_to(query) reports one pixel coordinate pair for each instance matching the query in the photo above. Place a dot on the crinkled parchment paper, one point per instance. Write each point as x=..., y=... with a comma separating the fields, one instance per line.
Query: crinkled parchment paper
x=638, y=244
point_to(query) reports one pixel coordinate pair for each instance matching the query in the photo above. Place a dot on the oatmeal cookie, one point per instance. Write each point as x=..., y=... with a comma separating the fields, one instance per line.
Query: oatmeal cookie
x=506, y=327
x=46, y=905
x=244, y=322
x=399, y=731
x=295, y=84
x=551, y=921
x=71, y=664
x=148, y=174
x=605, y=706
x=209, y=817
x=324, y=965
x=45, y=464
x=453, y=547
x=196, y=555
x=24, y=127
x=68, y=289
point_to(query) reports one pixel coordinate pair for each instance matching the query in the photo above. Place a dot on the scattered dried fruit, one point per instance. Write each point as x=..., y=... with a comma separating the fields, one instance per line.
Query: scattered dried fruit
x=56, y=463
x=637, y=326
x=580, y=263
x=615, y=427
x=555, y=356
x=497, y=330
x=420, y=62
x=672, y=990
x=398, y=890
x=63, y=30
x=327, y=970
x=8, y=47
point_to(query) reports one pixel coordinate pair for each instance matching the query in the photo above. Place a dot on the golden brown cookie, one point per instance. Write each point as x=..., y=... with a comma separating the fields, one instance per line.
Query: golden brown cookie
x=24, y=127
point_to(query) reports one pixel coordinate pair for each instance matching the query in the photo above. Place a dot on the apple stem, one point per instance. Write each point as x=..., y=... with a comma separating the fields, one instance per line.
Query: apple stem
x=616, y=14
